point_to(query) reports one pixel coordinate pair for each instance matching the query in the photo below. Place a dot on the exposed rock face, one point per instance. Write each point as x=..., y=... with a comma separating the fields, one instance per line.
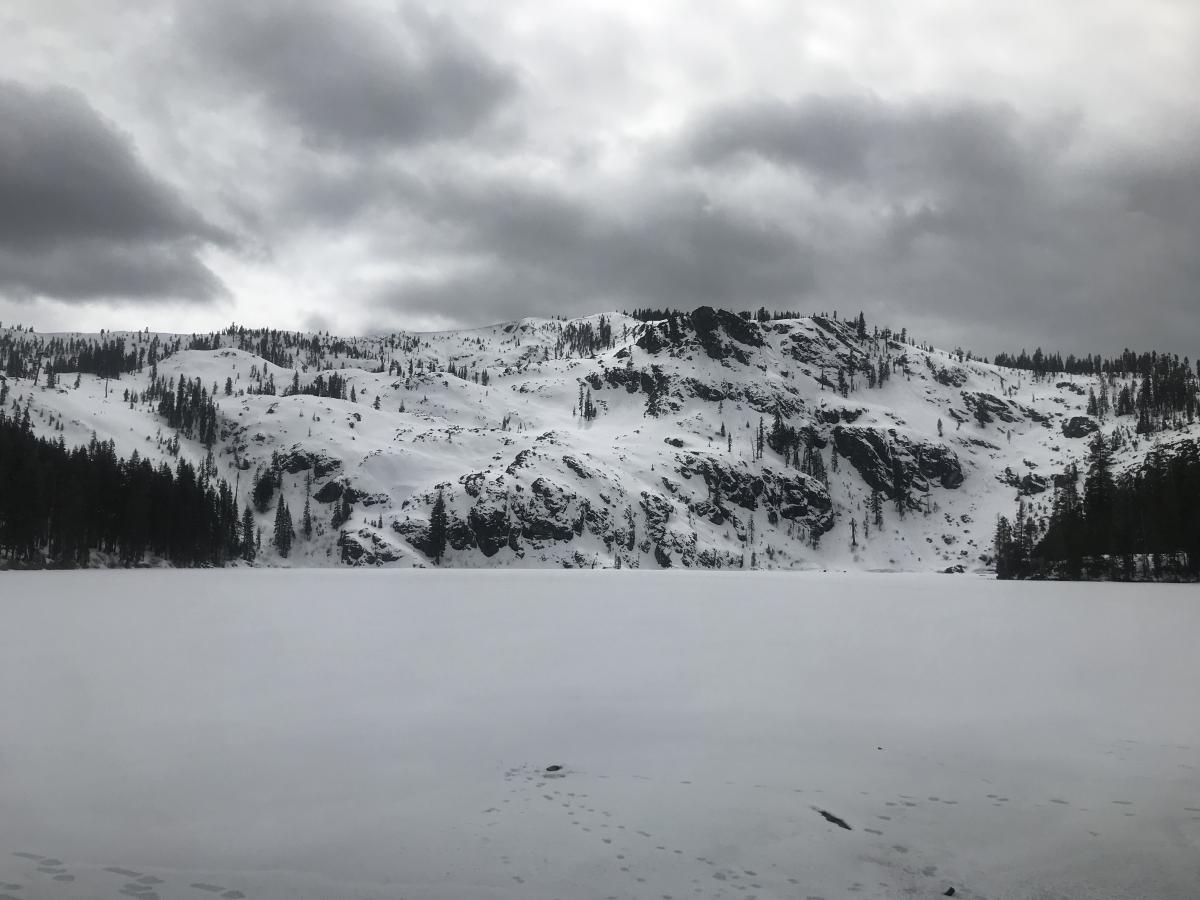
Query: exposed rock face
x=1029, y=484
x=1079, y=427
x=507, y=512
x=791, y=495
x=365, y=548
x=720, y=332
x=841, y=414
x=340, y=487
x=722, y=335
x=299, y=460
x=952, y=377
x=576, y=466
x=328, y=492
x=544, y=517
x=879, y=457
x=416, y=533
x=989, y=406
x=489, y=525
x=1033, y=484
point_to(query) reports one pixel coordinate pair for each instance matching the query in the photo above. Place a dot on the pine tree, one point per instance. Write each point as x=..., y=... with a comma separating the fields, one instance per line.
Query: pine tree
x=437, y=529
x=306, y=523
x=899, y=486
x=876, y=507
x=1004, y=550
x=284, y=532
x=264, y=489
x=1098, y=491
x=249, y=550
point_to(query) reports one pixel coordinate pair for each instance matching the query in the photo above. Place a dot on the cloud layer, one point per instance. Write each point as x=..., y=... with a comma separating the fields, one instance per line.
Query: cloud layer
x=982, y=180
x=81, y=216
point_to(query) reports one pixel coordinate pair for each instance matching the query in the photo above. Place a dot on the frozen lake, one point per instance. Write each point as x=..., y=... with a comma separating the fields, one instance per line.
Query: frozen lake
x=333, y=735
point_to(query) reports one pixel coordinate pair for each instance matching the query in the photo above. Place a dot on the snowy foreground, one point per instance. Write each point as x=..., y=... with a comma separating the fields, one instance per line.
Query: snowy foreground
x=331, y=735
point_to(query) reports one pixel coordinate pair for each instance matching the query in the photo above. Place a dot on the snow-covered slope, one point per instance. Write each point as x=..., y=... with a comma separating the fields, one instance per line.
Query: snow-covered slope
x=666, y=472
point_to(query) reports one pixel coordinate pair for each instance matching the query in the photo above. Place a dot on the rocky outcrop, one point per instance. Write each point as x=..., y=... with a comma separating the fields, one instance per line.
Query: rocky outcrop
x=1079, y=427
x=789, y=495
x=1027, y=485
x=328, y=492
x=952, y=377
x=989, y=408
x=298, y=460
x=886, y=461
x=489, y=525
x=366, y=548
x=723, y=334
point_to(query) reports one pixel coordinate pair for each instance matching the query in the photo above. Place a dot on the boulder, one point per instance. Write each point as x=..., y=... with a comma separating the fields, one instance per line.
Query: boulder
x=329, y=492
x=299, y=460
x=1079, y=427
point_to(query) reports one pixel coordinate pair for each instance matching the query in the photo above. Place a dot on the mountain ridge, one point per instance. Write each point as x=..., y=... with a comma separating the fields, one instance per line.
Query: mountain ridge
x=705, y=439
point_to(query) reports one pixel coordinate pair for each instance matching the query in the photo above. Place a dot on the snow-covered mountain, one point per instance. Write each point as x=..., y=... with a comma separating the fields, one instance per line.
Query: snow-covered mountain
x=606, y=441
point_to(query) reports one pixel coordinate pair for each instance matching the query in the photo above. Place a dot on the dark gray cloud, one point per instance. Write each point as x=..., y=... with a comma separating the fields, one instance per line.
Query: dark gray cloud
x=539, y=249
x=863, y=141
x=346, y=75
x=970, y=217
x=92, y=269
x=80, y=215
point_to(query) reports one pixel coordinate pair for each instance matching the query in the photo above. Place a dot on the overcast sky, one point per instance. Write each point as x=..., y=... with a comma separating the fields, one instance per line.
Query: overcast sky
x=989, y=174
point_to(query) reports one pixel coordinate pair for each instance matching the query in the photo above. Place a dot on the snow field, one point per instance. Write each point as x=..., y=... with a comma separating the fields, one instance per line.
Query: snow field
x=306, y=735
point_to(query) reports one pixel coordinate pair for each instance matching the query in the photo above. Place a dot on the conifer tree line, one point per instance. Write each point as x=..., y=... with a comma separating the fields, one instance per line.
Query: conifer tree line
x=1127, y=363
x=57, y=505
x=189, y=408
x=582, y=339
x=762, y=314
x=1141, y=525
x=24, y=354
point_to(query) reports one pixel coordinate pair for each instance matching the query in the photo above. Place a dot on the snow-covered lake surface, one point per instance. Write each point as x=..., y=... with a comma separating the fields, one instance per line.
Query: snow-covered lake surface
x=328, y=735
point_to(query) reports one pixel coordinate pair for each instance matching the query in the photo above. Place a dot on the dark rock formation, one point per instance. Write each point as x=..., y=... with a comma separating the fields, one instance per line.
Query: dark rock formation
x=365, y=548
x=299, y=460
x=1079, y=427
x=790, y=495
x=878, y=456
x=327, y=493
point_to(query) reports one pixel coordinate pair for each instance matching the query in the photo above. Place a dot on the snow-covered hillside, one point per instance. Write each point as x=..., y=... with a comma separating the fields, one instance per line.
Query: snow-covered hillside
x=607, y=441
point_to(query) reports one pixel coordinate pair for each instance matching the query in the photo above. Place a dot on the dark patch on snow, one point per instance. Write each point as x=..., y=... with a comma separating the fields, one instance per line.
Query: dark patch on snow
x=1079, y=427
x=831, y=818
